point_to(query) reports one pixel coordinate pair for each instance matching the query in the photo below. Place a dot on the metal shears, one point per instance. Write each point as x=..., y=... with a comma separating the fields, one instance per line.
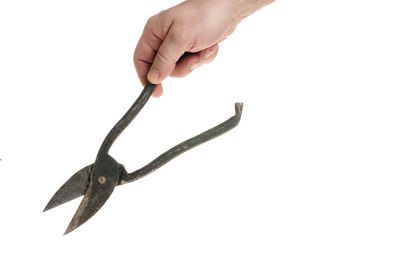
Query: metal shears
x=97, y=181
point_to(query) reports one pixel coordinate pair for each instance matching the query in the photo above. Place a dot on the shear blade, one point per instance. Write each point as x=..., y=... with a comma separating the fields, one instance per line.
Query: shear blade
x=96, y=194
x=73, y=188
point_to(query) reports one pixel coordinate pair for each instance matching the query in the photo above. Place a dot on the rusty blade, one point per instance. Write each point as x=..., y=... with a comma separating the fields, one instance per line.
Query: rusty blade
x=91, y=203
x=75, y=187
x=104, y=178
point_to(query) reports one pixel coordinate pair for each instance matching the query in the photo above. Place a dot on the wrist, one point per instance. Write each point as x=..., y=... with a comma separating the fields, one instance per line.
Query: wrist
x=244, y=8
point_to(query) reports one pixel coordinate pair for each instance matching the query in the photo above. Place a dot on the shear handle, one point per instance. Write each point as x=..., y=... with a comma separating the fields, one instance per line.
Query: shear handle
x=126, y=119
x=185, y=146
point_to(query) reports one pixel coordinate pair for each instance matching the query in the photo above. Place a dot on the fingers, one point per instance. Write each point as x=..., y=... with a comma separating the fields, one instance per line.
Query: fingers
x=146, y=49
x=187, y=63
x=170, y=46
x=143, y=58
x=158, y=90
x=190, y=61
x=171, y=49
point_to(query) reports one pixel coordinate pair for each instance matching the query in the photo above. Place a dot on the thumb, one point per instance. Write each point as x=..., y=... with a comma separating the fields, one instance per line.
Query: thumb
x=171, y=49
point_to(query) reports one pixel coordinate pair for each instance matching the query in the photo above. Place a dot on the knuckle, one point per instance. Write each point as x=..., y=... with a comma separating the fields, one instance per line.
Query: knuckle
x=164, y=18
x=177, y=35
x=162, y=57
x=150, y=22
x=163, y=15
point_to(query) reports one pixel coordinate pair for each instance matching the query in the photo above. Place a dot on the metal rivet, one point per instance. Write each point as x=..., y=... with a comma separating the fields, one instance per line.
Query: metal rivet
x=101, y=180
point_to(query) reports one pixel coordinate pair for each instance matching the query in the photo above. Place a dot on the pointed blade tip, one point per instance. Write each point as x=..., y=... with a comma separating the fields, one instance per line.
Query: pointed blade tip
x=73, y=188
x=68, y=230
x=49, y=206
x=75, y=223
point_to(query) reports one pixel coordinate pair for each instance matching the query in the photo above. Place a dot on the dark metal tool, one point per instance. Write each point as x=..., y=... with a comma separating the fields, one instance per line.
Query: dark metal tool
x=97, y=181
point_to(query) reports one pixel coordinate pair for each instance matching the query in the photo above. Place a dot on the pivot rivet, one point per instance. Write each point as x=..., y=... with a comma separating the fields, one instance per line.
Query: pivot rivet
x=101, y=180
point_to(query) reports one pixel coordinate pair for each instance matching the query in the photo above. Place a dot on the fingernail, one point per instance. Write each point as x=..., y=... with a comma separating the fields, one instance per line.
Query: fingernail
x=207, y=54
x=194, y=66
x=153, y=76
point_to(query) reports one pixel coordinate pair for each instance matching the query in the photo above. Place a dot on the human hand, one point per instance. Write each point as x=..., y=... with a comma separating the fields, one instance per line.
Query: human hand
x=178, y=40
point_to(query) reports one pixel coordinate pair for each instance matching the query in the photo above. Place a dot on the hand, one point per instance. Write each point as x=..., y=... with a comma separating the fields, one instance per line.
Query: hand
x=178, y=40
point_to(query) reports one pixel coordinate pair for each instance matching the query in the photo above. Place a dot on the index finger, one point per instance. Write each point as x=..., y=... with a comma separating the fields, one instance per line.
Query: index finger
x=146, y=50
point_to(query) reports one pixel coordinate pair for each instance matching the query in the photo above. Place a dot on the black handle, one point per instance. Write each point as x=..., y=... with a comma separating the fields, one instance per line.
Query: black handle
x=185, y=146
x=126, y=119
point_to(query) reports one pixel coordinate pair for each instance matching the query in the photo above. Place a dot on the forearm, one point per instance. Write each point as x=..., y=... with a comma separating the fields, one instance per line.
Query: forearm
x=244, y=8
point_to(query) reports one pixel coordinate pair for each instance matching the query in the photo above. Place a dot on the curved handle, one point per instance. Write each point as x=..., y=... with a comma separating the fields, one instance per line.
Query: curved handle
x=127, y=118
x=185, y=146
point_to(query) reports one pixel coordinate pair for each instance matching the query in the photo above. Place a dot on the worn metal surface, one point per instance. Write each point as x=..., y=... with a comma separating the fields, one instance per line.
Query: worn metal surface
x=186, y=145
x=105, y=173
x=97, y=181
x=75, y=187
x=127, y=118
x=103, y=179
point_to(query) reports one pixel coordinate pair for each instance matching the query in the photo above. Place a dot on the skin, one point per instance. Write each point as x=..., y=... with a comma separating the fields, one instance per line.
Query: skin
x=176, y=41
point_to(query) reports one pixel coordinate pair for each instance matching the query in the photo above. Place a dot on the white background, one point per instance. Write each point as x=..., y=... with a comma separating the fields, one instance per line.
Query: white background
x=310, y=177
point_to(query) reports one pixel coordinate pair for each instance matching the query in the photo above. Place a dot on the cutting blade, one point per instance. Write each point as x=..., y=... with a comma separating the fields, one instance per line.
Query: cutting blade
x=73, y=188
x=103, y=179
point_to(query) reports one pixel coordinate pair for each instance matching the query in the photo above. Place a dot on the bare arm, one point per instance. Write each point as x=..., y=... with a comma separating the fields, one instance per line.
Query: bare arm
x=244, y=8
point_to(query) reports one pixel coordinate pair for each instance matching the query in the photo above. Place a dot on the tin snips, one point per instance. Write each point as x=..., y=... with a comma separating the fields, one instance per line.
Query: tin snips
x=97, y=181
